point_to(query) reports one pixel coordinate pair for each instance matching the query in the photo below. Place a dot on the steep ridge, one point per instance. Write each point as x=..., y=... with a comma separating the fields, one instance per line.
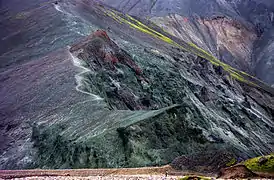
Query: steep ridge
x=227, y=29
x=149, y=98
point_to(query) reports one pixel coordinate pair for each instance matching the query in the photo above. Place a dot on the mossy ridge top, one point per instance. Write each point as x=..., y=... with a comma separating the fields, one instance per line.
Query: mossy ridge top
x=191, y=47
x=255, y=165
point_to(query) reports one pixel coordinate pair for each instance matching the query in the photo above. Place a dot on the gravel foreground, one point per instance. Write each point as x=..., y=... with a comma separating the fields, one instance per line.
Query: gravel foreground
x=145, y=173
x=122, y=177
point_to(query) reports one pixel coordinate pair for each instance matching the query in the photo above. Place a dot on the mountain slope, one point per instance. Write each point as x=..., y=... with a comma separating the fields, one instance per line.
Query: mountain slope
x=228, y=29
x=142, y=97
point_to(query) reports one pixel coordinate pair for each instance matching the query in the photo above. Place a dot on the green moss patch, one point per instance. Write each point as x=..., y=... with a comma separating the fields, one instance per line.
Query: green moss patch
x=232, y=162
x=257, y=164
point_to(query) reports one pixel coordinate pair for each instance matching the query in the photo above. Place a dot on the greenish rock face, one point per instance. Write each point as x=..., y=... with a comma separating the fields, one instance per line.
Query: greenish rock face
x=151, y=105
x=155, y=141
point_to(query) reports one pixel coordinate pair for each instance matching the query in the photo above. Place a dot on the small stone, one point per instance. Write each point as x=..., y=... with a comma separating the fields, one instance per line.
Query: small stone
x=219, y=70
x=145, y=85
x=262, y=161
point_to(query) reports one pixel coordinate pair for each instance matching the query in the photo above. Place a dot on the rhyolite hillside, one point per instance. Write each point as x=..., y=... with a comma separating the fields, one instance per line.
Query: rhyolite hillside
x=113, y=91
x=235, y=31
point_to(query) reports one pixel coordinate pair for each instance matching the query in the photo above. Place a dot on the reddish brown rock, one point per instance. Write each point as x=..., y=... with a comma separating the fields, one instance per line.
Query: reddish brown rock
x=238, y=171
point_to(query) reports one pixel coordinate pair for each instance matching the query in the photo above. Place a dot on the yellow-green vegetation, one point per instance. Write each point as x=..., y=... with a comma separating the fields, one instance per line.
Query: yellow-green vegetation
x=231, y=162
x=191, y=47
x=138, y=25
x=255, y=165
x=141, y=27
x=195, y=177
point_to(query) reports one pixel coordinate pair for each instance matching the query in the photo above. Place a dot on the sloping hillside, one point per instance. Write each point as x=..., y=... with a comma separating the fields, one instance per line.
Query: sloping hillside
x=124, y=93
x=234, y=31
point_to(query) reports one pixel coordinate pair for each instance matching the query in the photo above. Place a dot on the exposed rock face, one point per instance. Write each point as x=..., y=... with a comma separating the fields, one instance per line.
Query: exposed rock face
x=207, y=162
x=227, y=39
x=235, y=172
x=108, y=60
x=226, y=28
x=232, y=38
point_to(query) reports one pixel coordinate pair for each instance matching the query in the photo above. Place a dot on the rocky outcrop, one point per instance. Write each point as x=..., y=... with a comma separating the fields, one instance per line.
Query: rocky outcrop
x=207, y=162
x=157, y=108
x=235, y=172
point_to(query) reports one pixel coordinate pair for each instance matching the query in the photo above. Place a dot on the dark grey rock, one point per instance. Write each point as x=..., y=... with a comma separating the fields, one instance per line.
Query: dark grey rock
x=262, y=161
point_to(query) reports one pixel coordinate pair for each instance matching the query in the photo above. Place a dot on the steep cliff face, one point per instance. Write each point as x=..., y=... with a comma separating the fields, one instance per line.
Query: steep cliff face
x=126, y=96
x=234, y=39
x=227, y=28
x=227, y=39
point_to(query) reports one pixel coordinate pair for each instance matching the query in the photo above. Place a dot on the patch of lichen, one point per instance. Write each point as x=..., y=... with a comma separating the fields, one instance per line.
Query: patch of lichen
x=141, y=27
x=232, y=162
x=195, y=177
x=191, y=47
x=254, y=164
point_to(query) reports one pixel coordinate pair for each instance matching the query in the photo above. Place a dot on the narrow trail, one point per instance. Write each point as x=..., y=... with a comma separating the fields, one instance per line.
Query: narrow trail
x=79, y=78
